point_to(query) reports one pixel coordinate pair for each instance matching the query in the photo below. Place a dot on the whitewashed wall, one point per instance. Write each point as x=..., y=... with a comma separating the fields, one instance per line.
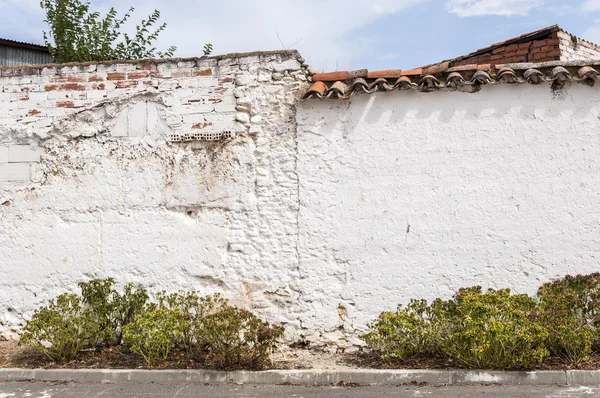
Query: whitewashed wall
x=302, y=214
x=500, y=188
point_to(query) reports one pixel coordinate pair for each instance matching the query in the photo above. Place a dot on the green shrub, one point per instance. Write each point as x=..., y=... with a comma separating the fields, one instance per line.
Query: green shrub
x=573, y=296
x=402, y=335
x=111, y=309
x=570, y=309
x=236, y=338
x=192, y=309
x=61, y=329
x=153, y=333
x=492, y=330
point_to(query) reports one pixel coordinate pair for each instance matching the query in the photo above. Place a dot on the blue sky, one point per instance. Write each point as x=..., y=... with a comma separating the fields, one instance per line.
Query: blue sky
x=336, y=34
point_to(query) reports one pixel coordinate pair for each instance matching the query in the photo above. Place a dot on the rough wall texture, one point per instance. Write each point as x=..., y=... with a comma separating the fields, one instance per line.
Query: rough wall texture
x=413, y=195
x=175, y=174
x=575, y=49
x=209, y=174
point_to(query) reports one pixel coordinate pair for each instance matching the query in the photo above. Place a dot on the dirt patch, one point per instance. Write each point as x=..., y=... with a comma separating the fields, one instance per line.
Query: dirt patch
x=13, y=355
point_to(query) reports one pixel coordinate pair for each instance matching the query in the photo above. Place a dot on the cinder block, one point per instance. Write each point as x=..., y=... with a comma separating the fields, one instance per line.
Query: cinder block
x=15, y=172
x=23, y=153
x=137, y=119
x=3, y=154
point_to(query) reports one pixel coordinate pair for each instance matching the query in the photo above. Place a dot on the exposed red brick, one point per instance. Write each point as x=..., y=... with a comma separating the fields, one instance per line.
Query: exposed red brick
x=203, y=72
x=554, y=53
x=523, y=51
x=24, y=98
x=65, y=104
x=127, y=84
x=524, y=45
x=58, y=79
x=76, y=79
x=331, y=76
x=181, y=74
x=194, y=101
x=116, y=76
x=499, y=50
x=101, y=86
x=226, y=80
x=95, y=78
x=512, y=47
x=72, y=87
x=51, y=87
x=138, y=75
x=33, y=112
x=201, y=125
x=538, y=43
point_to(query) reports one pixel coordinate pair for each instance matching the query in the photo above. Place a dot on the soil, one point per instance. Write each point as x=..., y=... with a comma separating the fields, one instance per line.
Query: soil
x=12, y=355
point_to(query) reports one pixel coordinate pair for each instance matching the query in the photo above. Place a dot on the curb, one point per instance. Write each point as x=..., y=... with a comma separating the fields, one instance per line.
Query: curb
x=309, y=377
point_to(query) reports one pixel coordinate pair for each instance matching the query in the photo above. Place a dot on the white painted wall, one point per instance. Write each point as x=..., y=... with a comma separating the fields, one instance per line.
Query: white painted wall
x=302, y=215
x=500, y=189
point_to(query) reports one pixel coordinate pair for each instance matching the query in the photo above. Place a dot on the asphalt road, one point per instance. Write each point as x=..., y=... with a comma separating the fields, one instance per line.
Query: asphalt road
x=177, y=390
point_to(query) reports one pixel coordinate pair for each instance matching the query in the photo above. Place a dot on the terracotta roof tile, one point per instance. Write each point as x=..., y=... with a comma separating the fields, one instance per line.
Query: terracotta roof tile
x=389, y=73
x=412, y=72
x=318, y=88
x=555, y=73
x=529, y=58
x=331, y=76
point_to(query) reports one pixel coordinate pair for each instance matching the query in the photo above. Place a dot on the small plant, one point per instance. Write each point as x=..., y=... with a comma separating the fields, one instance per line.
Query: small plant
x=111, y=309
x=237, y=338
x=153, y=333
x=402, y=335
x=208, y=49
x=495, y=329
x=61, y=329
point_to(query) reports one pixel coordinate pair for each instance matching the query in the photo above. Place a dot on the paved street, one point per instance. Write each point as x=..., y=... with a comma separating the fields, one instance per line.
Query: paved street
x=166, y=390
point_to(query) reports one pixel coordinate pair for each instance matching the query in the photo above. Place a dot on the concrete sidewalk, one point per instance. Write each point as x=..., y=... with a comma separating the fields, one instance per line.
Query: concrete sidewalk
x=310, y=377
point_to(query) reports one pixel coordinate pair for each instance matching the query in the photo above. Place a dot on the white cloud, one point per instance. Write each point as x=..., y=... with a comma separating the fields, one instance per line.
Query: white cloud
x=471, y=8
x=593, y=33
x=591, y=5
x=322, y=26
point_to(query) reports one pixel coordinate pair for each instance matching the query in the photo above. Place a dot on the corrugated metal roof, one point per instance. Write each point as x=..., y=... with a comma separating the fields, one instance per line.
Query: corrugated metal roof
x=21, y=44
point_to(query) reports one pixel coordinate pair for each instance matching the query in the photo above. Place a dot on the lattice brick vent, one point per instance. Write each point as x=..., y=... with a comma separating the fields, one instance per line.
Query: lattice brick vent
x=201, y=136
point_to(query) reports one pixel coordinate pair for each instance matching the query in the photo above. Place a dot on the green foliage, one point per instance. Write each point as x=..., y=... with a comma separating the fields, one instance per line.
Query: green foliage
x=208, y=49
x=153, y=333
x=61, y=329
x=192, y=309
x=570, y=309
x=237, y=338
x=78, y=35
x=402, y=335
x=111, y=309
x=492, y=330
x=495, y=329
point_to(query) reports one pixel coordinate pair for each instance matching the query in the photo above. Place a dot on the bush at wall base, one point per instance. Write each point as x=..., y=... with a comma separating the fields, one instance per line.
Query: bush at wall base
x=204, y=327
x=495, y=329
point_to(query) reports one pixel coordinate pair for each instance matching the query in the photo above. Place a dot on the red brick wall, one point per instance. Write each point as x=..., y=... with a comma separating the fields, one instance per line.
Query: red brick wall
x=532, y=51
